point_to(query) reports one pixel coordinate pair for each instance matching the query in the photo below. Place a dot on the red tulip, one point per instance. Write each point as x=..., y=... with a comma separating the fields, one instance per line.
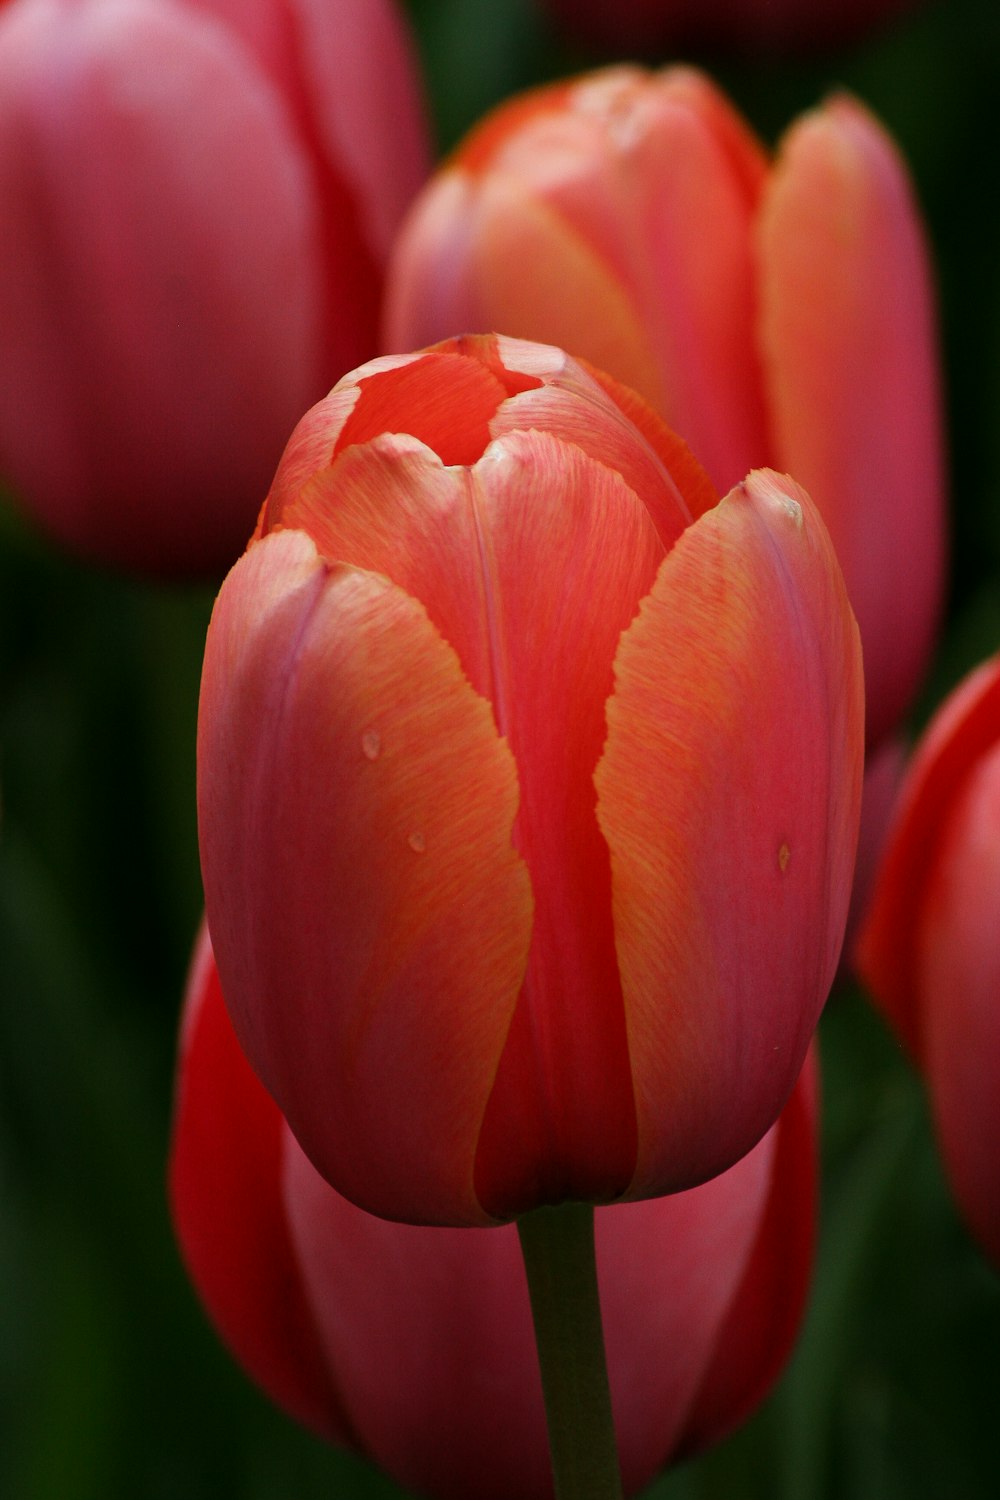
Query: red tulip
x=528, y=790
x=197, y=202
x=414, y=1346
x=929, y=950
x=775, y=313
x=778, y=25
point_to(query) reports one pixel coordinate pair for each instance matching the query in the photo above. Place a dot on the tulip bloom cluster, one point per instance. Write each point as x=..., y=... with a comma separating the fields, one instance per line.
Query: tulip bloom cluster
x=528, y=790
x=414, y=1346
x=775, y=313
x=929, y=950
x=198, y=200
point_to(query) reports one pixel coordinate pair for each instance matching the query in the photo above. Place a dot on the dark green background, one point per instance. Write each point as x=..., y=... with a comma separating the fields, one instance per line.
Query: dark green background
x=112, y=1386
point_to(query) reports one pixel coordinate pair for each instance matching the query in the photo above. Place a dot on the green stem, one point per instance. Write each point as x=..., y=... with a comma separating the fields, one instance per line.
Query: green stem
x=558, y=1249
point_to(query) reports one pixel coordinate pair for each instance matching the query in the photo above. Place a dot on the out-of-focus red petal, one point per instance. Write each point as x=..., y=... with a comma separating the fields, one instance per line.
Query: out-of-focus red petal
x=962, y=732
x=957, y=951
x=848, y=339
x=495, y=255
x=669, y=1269
x=729, y=794
x=763, y=1321
x=370, y=917
x=226, y=1197
x=691, y=176
x=111, y=412
x=478, y=150
x=430, y=1334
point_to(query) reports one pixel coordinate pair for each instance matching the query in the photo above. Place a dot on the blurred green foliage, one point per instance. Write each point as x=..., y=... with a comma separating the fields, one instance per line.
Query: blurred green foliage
x=111, y=1383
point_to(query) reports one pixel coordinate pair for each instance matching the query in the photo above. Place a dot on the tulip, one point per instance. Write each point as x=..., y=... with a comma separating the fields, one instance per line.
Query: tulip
x=528, y=790
x=774, y=312
x=929, y=949
x=413, y=1346
x=198, y=200
x=778, y=25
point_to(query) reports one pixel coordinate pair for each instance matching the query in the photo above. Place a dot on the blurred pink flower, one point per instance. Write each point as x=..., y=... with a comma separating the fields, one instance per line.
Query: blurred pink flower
x=197, y=198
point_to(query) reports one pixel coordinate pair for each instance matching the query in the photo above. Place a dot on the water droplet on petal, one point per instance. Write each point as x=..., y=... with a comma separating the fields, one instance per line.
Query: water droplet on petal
x=784, y=855
x=371, y=744
x=417, y=842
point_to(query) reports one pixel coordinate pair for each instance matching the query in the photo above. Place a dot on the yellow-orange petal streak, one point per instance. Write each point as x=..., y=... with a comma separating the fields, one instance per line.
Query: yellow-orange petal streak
x=729, y=794
x=354, y=789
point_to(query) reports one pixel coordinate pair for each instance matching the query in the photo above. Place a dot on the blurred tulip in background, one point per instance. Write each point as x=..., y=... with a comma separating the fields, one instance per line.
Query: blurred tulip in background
x=414, y=1346
x=752, y=25
x=513, y=893
x=775, y=312
x=197, y=199
x=930, y=951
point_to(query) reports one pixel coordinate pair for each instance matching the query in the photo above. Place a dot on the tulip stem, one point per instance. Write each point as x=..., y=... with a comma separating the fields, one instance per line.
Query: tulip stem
x=558, y=1249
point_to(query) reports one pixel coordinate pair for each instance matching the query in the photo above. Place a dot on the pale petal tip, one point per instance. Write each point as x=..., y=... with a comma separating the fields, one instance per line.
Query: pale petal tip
x=777, y=493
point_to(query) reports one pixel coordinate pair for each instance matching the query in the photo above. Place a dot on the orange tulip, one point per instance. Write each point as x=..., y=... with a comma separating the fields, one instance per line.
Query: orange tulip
x=414, y=1346
x=929, y=949
x=528, y=790
x=774, y=312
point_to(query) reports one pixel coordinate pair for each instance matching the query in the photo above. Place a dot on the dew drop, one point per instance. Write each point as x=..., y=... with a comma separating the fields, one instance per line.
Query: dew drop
x=793, y=510
x=371, y=744
x=417, y=842
x=784, y=855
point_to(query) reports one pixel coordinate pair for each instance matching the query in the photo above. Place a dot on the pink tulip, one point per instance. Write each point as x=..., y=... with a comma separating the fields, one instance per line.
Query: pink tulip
x=198, y=198
x=774, y=312
x=414, y=1346
x=776, y=25
x=930, y=951
x=528, y=790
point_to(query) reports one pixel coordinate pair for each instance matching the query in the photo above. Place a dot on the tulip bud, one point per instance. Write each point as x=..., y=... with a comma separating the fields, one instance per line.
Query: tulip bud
x=528, y=790
x=414, y=1347
x=197, y=201
x=775, y=312
x=929, y=949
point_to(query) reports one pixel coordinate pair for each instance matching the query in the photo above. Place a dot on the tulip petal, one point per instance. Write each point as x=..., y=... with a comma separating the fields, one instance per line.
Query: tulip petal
x=429, y=1331
x=763, y=1320
x=664, y=1311
x=460, y=263
x=848, y=340
x=961, y=732
x=577, y=413
x=128, y=351
x=959, y=977
x=228, y=1211
x=429, y=1335
x=560, y=1122
x=693, y=175
x=387, y=957
x=448, y=400
x=729, y=795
